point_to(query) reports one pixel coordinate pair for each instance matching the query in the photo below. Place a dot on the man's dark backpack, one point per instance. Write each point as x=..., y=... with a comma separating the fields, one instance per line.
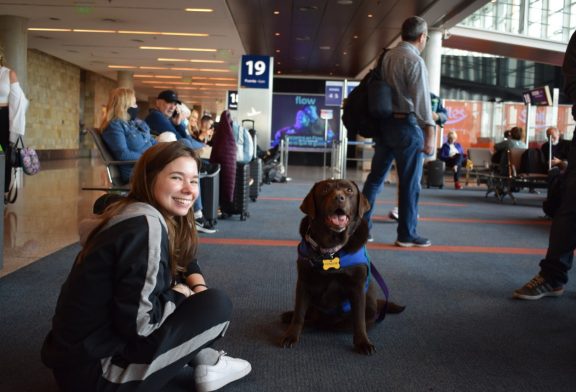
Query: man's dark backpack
x=367, y=104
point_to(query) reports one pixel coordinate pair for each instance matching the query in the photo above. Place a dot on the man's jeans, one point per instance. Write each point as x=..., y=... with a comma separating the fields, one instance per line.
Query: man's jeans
x=562, y=241
x=403, y=140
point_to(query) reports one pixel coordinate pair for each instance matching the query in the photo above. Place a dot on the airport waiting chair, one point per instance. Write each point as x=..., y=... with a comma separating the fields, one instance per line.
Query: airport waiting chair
x=114, y=178
x=481, y=164
x=534, y=175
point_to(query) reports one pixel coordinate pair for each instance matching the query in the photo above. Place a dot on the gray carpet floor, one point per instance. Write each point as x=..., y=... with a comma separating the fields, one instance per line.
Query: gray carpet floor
x=461, y=330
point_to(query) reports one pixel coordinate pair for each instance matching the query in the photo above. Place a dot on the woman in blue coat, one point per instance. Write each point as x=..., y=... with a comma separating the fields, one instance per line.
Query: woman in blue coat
x=453, y=154
x=125, y=136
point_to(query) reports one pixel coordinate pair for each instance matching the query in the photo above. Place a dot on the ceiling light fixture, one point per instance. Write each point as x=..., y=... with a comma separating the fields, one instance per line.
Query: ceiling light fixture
x=46, y=29
x=180, y=49
x=193, y=60
x=199, y=10
x=200, y=69
x=122, y=66
x=163, y=33
x=93, y=31
x=119, y=32
x=276, y=12
x=157, y=76
x=170, y=68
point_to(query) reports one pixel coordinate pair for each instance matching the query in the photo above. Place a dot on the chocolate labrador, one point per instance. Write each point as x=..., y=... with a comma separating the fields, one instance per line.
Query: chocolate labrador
x=334, y=288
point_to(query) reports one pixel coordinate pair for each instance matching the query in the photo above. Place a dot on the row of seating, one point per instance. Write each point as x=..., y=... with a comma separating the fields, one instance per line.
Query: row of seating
x=504, y=178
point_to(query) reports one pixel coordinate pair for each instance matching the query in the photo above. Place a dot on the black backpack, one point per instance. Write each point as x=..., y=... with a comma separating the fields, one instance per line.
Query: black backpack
x=367, y=104
x=533, y=161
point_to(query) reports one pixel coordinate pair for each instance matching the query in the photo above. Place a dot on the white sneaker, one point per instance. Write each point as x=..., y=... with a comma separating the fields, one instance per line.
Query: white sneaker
x=227, y=369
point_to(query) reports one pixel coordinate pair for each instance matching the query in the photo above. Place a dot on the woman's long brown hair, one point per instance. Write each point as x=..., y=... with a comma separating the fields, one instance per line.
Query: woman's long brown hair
x=181, y=229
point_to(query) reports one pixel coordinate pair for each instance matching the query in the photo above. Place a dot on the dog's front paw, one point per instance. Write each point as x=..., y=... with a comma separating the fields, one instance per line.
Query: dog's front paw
x=289, y=340
x=365, y=347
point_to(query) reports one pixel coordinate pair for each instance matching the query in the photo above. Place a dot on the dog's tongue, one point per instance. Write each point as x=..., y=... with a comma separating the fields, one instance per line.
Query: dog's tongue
x=339, y=221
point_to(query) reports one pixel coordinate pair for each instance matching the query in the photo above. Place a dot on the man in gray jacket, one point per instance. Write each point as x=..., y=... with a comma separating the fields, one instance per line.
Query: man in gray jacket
x=408, y=133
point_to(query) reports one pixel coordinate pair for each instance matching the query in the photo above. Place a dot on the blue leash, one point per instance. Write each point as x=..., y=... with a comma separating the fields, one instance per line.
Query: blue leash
x=384, y=289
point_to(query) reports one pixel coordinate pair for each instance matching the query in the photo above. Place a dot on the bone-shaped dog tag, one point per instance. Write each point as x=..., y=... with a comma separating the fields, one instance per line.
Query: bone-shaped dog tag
x=331, y=263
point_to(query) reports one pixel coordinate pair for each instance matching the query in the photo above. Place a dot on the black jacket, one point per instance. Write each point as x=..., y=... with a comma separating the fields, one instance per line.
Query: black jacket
x=120, y=292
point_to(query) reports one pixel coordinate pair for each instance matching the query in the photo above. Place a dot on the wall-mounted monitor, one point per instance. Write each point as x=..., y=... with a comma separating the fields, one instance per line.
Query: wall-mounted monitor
x=303, y=118
x=539, y=96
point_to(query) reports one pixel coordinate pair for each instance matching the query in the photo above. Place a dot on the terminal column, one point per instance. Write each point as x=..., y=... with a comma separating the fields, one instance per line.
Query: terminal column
x=14, y=40
x=432, y=55
x=126, y=79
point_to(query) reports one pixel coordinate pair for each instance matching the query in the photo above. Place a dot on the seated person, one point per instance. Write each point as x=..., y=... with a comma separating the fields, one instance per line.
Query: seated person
x=135, y=308
x=514, y=141
x=560, y=149
x=167, y=116
x=453, y=154
x=125, y=136
x=206, y=130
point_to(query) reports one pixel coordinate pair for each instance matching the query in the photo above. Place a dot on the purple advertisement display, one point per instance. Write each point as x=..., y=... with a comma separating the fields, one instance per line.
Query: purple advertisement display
x=297, y=116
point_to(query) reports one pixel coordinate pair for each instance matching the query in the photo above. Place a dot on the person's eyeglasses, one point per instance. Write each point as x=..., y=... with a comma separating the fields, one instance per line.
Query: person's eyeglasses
x=427, y=37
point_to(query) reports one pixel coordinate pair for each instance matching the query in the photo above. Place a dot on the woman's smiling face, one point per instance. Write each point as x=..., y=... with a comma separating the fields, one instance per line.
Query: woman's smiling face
x=176, y=186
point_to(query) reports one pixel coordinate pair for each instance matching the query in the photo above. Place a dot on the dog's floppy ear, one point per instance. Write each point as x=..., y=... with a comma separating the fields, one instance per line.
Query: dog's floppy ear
x=308, y=205
x=363, y=204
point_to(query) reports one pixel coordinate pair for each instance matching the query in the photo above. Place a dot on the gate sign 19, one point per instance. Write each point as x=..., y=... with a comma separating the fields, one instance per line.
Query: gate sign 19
x=255, y=71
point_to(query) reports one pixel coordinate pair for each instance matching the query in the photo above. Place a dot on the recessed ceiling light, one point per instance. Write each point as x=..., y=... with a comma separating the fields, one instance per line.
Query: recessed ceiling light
x=370, y=15
x=119, y=32
x=345, y=2
x=276, y=12
x=277, y=34
x=305, y=38
x=199, y=10
x=325, y=47
x=182, y=49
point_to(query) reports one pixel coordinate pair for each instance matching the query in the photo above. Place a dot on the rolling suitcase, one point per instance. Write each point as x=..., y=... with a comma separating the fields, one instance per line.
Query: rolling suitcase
x=256, y=168
x=256, y=178
x=239, y=206
x=210, y=191
x=435, y=173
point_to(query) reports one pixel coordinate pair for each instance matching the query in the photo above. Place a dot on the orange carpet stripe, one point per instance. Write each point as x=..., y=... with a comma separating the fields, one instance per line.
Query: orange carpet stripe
x=380, y=246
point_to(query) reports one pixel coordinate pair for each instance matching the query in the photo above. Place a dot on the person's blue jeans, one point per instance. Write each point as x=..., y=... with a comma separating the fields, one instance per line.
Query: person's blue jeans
x=402, y=140
x=562, y=241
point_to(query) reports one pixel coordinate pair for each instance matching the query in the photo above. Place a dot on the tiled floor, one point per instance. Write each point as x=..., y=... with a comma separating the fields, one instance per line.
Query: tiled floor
x=49, y=206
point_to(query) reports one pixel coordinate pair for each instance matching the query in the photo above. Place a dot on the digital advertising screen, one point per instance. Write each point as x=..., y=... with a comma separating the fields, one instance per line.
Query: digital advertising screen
x=305, y=119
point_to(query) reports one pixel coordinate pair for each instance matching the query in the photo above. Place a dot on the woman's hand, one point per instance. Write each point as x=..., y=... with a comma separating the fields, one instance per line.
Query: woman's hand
x=183, y=289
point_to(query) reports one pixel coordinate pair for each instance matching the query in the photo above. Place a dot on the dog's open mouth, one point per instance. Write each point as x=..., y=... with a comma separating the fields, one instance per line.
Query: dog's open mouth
x=338, y=221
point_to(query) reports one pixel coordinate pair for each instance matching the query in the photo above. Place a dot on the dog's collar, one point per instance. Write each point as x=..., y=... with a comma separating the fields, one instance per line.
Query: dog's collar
x=318, y=249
